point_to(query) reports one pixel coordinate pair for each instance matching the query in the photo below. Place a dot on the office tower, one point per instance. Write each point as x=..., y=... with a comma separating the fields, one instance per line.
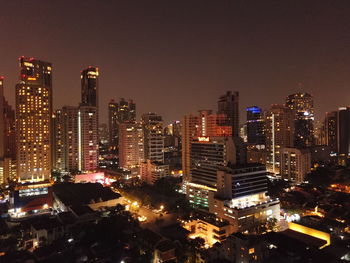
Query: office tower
x=279, y=122
x=302, y=105
x=255, y=126
x=124, y=110
x=331, y=130
x=58, y=153
x=241, y=197
x=113, y=124
x=295, y=164
x=87, y=138
x=152, y=125
x=33, y=120
x=229, y=104
x=10, y=131
x=208, y=155
x=131, y=146
x=66, y=139
x=89, y=86
x=205, y=124
x=344, y=131
x=189, y=131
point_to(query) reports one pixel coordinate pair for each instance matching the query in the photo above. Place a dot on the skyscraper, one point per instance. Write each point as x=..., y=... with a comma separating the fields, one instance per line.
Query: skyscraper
x=229, y=104
x=279, y=134
x=87, y=138
x=152, y=125
x=302, y=105
x=117, y=114
x=33, y=119
x=344, y=131
x=255, y=126
x=113, y=124
x=66, y=139
x=130, y=146
x=89, y=86
x=331, y=130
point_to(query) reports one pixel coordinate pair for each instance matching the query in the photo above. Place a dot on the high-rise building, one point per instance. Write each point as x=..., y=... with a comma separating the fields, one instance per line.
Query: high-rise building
x=87, y=138
x=302, y=105
x=33, y=119
x=255, y=126
x=279, y=134
x=10, y=131
x=344, y=131
x=113, y=124
x=152, y=125
x=208, y=155
x=241, y=197
x=66, y=141
x=331, y=130
x=89, y=86
x=124, y=110
x=131, y=146
x=229, y=104
x=295, y=164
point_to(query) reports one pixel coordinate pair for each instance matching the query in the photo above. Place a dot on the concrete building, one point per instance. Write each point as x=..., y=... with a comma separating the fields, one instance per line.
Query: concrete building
x=228, y=105
x=33, y=120
x=302, y=105
x=255, y=126
x=152, y=125
x=66, y=143
x=151, y=171
x=279, y=134
x=131, y=146
x=241, y=197
x=89, y=86
x=295, y=164
x=87, y=138
x=118, y=112
x=331, y=130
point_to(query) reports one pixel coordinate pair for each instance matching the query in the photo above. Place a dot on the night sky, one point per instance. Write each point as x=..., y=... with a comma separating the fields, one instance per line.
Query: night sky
x=175, y=57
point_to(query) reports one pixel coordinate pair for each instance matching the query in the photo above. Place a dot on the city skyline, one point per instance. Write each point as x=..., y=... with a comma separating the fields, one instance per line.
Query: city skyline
x=163, y=51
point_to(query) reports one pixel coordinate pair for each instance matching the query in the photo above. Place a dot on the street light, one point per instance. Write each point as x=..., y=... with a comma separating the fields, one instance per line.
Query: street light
x=161, y=207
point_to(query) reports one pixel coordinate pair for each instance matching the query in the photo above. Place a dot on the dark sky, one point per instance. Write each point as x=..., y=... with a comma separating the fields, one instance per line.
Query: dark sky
x=175, y=57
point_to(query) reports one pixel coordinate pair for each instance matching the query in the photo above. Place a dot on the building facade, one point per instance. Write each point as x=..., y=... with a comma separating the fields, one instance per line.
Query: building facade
x=152, y=125
x=295, y=164
x=228, y=104
x=279, y=134
x=33, y=120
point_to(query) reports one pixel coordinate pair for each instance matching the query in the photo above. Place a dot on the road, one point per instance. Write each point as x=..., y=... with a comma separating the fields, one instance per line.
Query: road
x=151, y=215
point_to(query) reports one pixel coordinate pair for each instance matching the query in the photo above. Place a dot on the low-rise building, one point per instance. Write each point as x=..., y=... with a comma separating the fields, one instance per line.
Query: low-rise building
x=151, y=171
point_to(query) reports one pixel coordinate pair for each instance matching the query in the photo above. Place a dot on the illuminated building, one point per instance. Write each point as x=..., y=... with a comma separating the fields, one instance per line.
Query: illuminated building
x=331, y=130
x=311, y=232
x=31, y=197
x=130, y=146
x=209, y=229
x=255, y=126
x=189, y=131
x=228, y=104
x=206, y=124
x=66, y=141
x=152, y=125
x=89, y=86
x=344, y=131
x=302, y=105
x=87, y=138
x=209, y=155
x=117, y=114
x=295, y=164
x=113, y=123
x=279, y=134
x=256, y=155
x=151, y=171
x=241, y=197
x=33, y=120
